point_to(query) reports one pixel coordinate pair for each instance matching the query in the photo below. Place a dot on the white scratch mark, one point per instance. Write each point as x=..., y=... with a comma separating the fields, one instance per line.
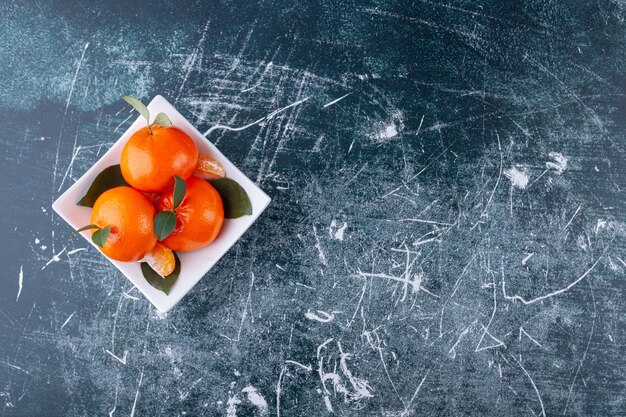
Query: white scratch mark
x=329, y=405
x=420, y=126
x=306, y=367
x=552, y=294
x=361, y=387
x=455, y=288
x=525, y=260
x=330, y=103
x=183, y=395
x=115, y=403
x=121, y=360
x=522, y=330
x=20, y=282
x=417, y=390
x=497, y=181
x=76, y=251
x=321, y=316
x=279, y=389
x=588, y=110
x=55, y=258
x=424, y=241
x=130, y=297
x=415, y=283
x=582, y=360
x=16, y=367
x=123, y=121
x=132, y=412
x=570, y=220
x=69, y=166
x=357, y=174
x=543, y=411
x=382, y=360
x=80, y=63
x=67, y=320
x=426, y=221
x=486, y=332
x=497, y=342
x=256, y=122
x=452, y=351
x=260, y=80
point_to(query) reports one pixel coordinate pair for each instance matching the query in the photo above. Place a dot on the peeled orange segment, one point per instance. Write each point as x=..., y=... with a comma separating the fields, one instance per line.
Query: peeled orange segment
x=208, y=168
x=161, y=259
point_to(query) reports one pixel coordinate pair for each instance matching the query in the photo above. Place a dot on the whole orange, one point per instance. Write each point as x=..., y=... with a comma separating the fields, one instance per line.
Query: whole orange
x=152, y=156
x=130, y=215
x=199, y=216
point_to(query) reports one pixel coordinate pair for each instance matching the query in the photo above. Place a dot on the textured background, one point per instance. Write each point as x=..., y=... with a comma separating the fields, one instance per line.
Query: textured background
x=447, y=239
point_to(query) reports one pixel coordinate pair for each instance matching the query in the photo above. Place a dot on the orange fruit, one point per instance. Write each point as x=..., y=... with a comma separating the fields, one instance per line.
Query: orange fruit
x=152, y=156
x=199, y=216
x=130, y=215
x=161, y=259
x=208, y=168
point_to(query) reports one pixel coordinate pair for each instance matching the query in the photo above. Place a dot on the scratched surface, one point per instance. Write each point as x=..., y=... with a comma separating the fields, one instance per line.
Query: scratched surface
x=446, y=235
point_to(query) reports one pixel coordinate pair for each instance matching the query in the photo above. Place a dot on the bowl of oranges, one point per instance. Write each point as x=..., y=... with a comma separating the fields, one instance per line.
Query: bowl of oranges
x=163, y=204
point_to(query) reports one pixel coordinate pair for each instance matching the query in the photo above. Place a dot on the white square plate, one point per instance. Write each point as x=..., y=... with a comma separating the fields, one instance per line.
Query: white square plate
x=194, y=265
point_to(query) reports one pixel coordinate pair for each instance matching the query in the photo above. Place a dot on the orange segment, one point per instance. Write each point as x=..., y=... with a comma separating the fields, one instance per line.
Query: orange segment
x=161, y=259
x=208, y=168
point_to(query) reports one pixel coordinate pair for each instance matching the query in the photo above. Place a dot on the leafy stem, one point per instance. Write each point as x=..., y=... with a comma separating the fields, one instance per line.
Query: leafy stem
x=160, y=119
x=99, y=237
x=165, y=221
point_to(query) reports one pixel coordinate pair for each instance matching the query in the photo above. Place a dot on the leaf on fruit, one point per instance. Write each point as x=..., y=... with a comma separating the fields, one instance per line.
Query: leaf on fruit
x=180, y=188
x=235, y=199
x=100, y=237
x=164, y=224
x=89, y=226
x=139, y=106
x=164, y=284
x=162, y=120
x=111, y=177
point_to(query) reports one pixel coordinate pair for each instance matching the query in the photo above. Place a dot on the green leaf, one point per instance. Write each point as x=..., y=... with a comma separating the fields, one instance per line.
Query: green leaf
x=157, y=281
x=235, y=199
x=89, y=226
x=162, y=119
x=180, y=188
x=164, y=224
x=111, y=177
x=100, y=237
x=139, y=106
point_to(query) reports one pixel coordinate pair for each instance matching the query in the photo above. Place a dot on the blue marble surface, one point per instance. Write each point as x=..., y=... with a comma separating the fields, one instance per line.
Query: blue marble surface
x=446, y=236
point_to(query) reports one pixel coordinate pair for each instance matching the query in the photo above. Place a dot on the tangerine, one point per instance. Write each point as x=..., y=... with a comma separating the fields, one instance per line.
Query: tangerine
x=154, y=154
x=199, y=216
x=130, y=215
